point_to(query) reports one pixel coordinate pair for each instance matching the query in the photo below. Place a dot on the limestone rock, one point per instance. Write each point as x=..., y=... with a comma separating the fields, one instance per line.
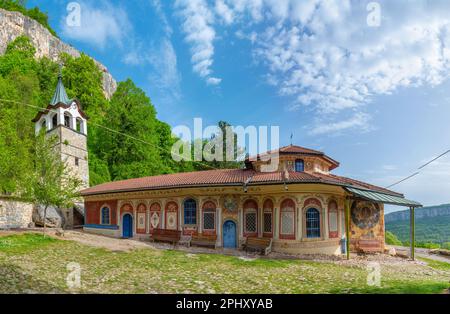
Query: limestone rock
x=15, y=24
x=54, y=218
x=392, y=251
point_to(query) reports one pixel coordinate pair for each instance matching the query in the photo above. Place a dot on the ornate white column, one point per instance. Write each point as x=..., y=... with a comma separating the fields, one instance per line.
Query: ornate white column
x=325, y=223
x=276, y=223
x=298, y=221
x=219, y=227
x=60, y=116
x=147, y=220
x=163, y=215
x=134, y=220
x=200, y=215
x=240, y=222
x=180, y=209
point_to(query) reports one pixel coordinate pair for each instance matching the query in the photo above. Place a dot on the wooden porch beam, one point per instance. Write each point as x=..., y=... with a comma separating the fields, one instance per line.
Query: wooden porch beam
x=412, y=238
x=347, y=227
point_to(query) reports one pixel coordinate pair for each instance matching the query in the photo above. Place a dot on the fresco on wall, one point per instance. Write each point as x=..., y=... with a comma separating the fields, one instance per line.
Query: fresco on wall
x=365, y=215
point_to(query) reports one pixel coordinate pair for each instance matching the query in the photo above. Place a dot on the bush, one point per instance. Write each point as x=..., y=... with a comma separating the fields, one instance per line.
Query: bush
x=34, y=13
x=392, y=239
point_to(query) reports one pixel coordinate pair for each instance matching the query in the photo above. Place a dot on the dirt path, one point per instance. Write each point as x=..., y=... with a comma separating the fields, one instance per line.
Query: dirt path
x=422, y=252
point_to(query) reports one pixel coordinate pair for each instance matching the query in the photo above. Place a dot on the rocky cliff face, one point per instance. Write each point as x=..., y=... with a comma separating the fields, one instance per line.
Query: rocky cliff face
x=424, y=212
x=14, y=24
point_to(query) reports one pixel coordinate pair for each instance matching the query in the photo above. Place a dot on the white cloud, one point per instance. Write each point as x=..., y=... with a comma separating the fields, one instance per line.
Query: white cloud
x=197, y=21
x=323, y=54
x=100, y=25
x=213, y=81
x=359, y=121
x=224, y=11
x=166, y=76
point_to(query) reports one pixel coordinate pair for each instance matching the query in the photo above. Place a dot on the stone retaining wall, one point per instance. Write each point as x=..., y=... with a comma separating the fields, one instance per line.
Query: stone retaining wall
x=15, y=214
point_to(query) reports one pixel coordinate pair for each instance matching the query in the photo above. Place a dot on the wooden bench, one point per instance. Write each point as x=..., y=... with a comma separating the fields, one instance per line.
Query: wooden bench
x=263, y=245
x=204, y=240
x=166, y=235
x=370, y=245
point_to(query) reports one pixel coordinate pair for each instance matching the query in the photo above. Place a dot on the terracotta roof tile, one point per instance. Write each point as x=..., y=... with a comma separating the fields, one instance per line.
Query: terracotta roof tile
x=294, y=149
x=226, y=177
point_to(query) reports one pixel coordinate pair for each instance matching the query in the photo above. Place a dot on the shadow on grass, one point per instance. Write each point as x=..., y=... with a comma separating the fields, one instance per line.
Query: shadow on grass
x=15, y=280
x=401, y=288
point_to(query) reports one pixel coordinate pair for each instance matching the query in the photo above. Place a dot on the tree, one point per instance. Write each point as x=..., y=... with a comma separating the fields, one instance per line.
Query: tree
x=130, y=145
x=51, y=183
x=224, y=131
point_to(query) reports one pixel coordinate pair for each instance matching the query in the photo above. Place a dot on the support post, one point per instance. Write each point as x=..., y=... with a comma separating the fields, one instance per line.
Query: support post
x=412, y=231
x=347, y=227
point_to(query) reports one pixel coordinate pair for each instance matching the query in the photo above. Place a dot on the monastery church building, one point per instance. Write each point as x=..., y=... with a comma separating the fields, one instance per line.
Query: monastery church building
x=302, y=206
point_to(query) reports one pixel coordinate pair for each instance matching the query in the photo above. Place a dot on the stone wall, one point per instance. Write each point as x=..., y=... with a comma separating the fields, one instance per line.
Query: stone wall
x=15, y=24
x=15, y=214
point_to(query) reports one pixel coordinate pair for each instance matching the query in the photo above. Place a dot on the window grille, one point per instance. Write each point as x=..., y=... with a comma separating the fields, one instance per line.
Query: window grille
x=190, y=212
x=312, y=223
x=105, y=216
x=287, y=222
x=299, y=165
x=209, y=221
x=250, y=222
x=268, y=222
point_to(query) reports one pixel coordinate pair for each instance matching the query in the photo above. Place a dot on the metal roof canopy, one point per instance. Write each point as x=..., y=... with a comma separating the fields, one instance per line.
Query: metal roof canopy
x=382, y=197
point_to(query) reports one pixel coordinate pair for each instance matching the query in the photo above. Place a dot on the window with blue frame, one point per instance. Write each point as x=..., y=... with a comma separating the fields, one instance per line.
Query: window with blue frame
x=299, y=165
x=312, y=223
x=105, y=216
x=190, y=212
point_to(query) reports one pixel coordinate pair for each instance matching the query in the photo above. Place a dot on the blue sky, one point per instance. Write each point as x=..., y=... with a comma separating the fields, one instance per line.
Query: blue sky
x=371, y=92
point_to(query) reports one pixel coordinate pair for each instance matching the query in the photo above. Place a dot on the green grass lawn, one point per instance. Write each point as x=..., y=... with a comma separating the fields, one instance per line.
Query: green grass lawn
x=31, y=263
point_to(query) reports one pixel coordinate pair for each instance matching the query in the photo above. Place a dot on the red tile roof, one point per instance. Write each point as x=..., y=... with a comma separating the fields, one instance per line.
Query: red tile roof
x=223, y=177
x=294, y=149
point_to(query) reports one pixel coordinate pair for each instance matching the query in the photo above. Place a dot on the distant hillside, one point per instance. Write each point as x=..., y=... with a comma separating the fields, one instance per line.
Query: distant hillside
x=424, y=212
x=432, y=224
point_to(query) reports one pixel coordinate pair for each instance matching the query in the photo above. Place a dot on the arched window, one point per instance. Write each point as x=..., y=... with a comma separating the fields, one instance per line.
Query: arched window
x=67, y=119
x=55, y=120
x=79, y=125
x=250, y=218
x=299, y=165
x=268, y=218
x=105, y=216
x=287, y=219
x=190, y=212
x=333, y=219
x=312, y=223
x=209, y=216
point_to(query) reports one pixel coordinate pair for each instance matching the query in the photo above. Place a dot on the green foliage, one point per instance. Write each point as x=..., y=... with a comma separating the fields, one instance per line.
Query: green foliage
x=24, y=243
x=18, y=58
x=131, y=113
x=34, y=13
x=51, y=183
x=125, y=140
x=83, y=80
x=391, y=239
x=430, y=232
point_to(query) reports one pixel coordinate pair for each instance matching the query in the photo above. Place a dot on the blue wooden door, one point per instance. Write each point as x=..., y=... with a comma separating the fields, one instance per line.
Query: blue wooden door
x=127, y=226
x=229, y=234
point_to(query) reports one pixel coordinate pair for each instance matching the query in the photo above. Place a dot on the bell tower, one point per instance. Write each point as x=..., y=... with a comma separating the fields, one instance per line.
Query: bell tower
x=64, y=118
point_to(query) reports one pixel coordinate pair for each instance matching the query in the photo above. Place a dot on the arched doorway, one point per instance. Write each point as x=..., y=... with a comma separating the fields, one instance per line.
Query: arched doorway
x=127, y=226
x=229, y=234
